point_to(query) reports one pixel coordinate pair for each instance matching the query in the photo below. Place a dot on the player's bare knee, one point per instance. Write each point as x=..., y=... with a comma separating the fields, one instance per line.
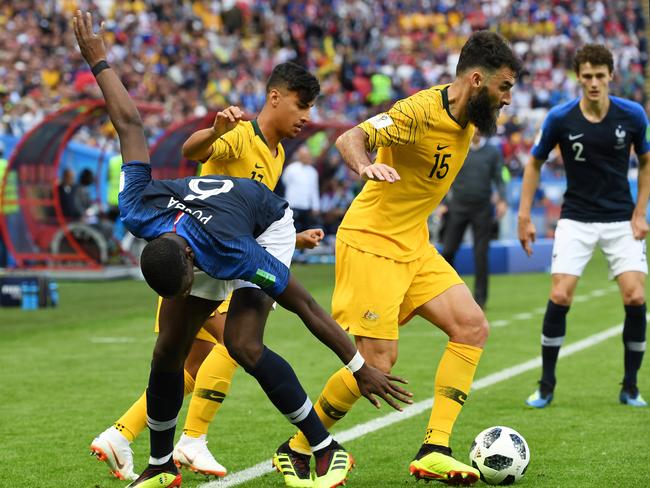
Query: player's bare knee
x=382, y=361
x=167, y=357
x=472, y=329
x=561, y=297
x=634, y=297
x=247, y=353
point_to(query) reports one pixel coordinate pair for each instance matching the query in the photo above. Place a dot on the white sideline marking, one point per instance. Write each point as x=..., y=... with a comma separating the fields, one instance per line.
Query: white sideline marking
x=111, y=340
x=540, y=310
x=499, y=323
x=360, y=430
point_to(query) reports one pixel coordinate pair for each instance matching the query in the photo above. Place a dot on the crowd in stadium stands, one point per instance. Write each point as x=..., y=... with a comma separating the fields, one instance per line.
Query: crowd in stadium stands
x=193, y=56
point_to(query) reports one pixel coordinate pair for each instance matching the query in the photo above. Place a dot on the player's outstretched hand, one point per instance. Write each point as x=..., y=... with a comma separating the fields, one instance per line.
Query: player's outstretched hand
x=373, y=382
x=91, y=45
x=309, y=239
x=380, y=172
x=227, y=120
x=639, y=226
x=526, y=231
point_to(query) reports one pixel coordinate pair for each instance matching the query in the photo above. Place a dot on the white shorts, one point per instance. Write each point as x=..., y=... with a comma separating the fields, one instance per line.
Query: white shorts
x=575, y=242
x=279, y=239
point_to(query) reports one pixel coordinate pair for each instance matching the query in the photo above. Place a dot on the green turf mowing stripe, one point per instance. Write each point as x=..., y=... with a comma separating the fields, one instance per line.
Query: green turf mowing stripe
x=360, y=430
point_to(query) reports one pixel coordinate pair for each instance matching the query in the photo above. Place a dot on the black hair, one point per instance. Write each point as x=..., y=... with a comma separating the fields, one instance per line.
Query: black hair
x=594, y=54
x=489, y=50
x=164, y=266
x=86, y=177
x=294, y=78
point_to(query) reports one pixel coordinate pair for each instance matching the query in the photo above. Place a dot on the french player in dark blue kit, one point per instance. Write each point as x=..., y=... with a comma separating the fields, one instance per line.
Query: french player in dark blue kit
x=595, y=133
x=242, y=236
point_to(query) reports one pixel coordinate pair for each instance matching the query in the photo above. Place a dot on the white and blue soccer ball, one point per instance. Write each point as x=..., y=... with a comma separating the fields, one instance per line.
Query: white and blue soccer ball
x=501, y=454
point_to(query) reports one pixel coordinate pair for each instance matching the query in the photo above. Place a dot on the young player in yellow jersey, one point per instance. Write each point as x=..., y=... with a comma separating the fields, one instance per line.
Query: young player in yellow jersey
x=421, y=144
x=233, y=147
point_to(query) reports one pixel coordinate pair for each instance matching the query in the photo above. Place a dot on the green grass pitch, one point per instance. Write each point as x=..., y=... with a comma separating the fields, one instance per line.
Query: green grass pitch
x=68, y=373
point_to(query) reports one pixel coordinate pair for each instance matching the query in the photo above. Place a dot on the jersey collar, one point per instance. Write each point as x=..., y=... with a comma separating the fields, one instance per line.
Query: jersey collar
x=445, y=104
x=258, y=132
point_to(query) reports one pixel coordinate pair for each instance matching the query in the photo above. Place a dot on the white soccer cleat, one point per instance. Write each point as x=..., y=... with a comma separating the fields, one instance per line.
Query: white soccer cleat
x=115, y=450
x=193, y=453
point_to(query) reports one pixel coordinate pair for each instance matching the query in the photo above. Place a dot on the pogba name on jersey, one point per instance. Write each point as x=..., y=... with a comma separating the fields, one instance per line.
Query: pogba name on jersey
x=198, y=214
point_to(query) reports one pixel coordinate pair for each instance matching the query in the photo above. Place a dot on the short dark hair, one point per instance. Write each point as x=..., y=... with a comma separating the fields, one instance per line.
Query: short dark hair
x=164, y=266
x=489, y=50
x=594, y=54
x=294, y=78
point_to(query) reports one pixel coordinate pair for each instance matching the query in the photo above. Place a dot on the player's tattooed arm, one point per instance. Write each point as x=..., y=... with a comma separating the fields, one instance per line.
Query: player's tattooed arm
x=198, y=146
x=639, y=217
x=122, y=111
x=353, y=146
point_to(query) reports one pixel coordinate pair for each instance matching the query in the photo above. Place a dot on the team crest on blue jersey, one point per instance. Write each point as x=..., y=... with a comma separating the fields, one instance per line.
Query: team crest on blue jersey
x=620, y=137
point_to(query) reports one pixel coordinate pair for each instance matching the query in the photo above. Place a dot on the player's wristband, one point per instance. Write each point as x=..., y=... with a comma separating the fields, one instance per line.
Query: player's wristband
x=99, y=67
x=355, y=363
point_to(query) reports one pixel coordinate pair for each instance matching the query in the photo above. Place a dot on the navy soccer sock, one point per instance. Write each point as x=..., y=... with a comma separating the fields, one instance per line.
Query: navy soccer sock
x=553, y=332
x=281, y=385
x=164, y=400
x=634, y=330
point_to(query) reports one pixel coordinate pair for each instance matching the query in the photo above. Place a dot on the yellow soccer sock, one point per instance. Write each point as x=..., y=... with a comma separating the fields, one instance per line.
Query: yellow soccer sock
x=134, y=419
x=188, y=383
x=453, y=381
x=212, y=385
x=337, y=398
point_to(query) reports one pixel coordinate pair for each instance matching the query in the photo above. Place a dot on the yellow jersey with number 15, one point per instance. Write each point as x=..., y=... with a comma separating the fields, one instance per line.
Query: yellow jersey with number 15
x=242, y=152
x=420, y=138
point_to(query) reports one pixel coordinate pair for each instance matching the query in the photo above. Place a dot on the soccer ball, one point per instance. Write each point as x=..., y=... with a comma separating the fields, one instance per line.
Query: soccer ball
x=501, y=455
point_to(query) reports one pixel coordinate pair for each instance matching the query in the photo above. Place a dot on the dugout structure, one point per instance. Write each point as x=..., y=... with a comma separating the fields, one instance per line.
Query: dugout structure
x=37, y=234
x=33, y=226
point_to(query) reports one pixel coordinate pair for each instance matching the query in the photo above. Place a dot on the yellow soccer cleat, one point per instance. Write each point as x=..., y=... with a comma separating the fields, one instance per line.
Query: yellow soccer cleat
x=333, y=467
x=293, y=466
x=158, y=478
x=435, y=463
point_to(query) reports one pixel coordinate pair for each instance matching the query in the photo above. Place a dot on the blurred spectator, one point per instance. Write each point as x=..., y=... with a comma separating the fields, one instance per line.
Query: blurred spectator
x=300, y=181
x=67, y=190
x=191, y=56
x=470, y=203
x=335, y=199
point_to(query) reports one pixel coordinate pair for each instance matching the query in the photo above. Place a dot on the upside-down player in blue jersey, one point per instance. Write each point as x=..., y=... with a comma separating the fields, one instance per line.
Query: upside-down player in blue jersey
x=595, y=133
x=242, y=236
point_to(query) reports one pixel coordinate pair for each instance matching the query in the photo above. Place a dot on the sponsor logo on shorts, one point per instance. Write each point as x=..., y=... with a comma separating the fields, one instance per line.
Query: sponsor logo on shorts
x=370, y=315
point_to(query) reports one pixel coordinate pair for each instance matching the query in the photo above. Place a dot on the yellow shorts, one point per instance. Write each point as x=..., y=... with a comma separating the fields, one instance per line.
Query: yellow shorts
x=374, y=294
x=202, y=334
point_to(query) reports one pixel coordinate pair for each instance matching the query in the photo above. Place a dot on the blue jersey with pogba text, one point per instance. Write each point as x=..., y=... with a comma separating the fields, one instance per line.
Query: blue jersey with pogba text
x=596, y=157
x=219, y=216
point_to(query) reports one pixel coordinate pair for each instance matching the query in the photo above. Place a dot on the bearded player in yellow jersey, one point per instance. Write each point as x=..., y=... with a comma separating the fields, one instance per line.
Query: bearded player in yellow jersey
x=421, y=144
x=245, y=149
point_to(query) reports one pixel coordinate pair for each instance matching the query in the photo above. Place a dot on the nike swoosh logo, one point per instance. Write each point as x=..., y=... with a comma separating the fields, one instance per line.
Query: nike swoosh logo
x=191, y=460
x=119, y=464
x=440, y=148
x=573, y=137
x=259, y=166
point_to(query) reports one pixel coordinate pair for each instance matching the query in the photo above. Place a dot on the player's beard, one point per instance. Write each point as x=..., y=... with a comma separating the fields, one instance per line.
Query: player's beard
x=482, y=112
